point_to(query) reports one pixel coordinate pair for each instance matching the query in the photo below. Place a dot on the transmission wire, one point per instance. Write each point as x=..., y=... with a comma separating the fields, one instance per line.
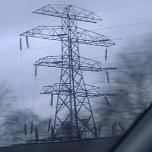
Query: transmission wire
x=123, y=6
x=128, y=37
x=47, y=75
x=118, y=26
x=33, y=104
x=46, y=46
x=23, y=92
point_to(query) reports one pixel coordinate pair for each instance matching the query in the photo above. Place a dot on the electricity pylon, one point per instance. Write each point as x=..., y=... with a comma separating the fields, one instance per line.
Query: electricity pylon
x=73, y=117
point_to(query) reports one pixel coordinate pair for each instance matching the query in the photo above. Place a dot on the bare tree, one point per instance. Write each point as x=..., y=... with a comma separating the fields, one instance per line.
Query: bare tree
x=14, y=121
x=133, y=89
x=6, y=98
x=14, y=131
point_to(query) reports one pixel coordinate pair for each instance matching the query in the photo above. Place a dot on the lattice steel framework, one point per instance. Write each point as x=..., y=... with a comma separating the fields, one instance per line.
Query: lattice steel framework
x=73, y=117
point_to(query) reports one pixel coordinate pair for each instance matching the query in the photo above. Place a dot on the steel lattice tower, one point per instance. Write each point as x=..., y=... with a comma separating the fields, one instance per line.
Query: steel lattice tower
x=73, y=117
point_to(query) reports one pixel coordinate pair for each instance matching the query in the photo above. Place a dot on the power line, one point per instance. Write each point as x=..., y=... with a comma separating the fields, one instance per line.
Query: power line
x=34, y=89
x=115, y=30
x=23, y=92
x=47, y=75
x=123, y=25
x=120, y=38
x=141, y=53
x=131, y=36
x=124, y=6
x=46, y=46
x=41, y=47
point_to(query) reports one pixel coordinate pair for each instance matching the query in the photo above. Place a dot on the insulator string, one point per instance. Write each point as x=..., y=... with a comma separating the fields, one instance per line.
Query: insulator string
x=27, y=42
x=20, y=44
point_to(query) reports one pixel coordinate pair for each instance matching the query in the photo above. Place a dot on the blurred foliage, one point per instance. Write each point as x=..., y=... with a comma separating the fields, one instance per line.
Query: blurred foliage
x=133, y=89
x=13, y=121
x=13, y=131
x=6, y=98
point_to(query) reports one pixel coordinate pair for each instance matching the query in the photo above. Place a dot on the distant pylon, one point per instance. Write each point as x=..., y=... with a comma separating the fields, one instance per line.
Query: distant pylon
x=74, y=118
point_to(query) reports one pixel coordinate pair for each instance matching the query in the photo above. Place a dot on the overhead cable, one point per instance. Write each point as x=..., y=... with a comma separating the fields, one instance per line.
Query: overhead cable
x=124, y=6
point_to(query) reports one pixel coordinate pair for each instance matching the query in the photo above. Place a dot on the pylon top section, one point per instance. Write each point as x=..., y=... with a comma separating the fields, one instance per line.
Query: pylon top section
x=70, y=12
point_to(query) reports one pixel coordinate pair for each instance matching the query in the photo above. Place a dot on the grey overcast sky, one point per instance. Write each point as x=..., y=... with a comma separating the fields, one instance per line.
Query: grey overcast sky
x=16, y=17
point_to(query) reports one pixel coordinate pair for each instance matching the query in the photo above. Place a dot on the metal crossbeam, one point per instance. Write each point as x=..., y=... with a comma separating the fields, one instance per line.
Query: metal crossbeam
x=73, y=12
x=59, y=33
x=92, y=38
x=91, y=91
x=59, y=62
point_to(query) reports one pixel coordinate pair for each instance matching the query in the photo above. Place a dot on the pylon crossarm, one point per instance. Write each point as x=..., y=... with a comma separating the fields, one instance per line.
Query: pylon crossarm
x=50, y=61
x=59, y=62
x=46, y=32
x=57, y=33
x=94, y=91
x=72, y=12
x=91, y=38
x=54, y=89
x=90, y=65
x=91, y=92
